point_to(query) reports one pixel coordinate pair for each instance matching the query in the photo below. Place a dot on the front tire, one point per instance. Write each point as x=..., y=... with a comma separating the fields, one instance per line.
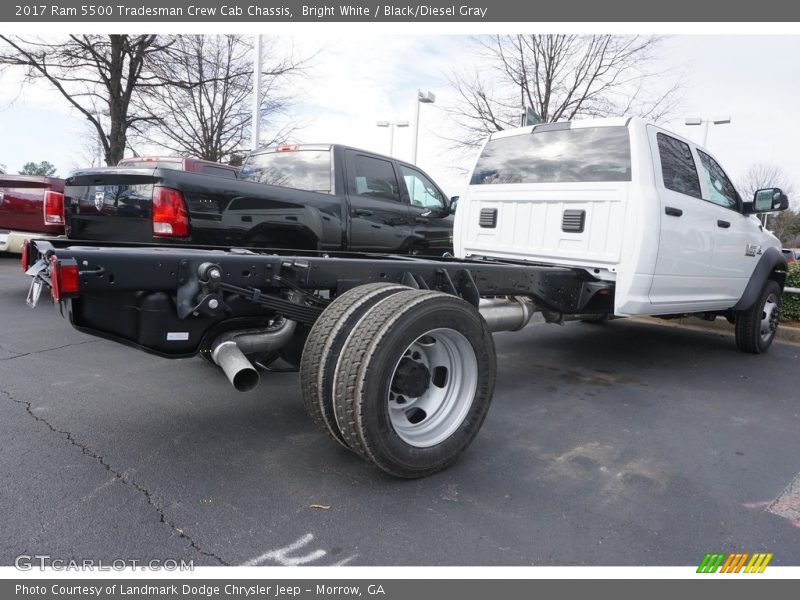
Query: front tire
x=756, y=326
x=414, y=382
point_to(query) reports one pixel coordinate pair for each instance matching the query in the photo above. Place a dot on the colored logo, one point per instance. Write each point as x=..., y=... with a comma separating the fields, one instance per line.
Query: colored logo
x=735, y=562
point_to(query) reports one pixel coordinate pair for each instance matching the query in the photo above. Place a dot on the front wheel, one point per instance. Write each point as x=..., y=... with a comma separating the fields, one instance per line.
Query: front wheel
x=414, y=382
x=756, y=326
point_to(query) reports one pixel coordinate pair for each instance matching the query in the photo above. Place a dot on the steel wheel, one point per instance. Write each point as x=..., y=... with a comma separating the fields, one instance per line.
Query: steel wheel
x=769, y=318
x=756, y=326
x=414, y=382
x=432, y=387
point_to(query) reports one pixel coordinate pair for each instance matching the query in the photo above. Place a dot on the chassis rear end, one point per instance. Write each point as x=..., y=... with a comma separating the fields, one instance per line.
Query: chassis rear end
x=395, y=353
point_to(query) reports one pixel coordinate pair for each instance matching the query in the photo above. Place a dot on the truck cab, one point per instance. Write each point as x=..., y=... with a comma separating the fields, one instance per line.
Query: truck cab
x=630, y=203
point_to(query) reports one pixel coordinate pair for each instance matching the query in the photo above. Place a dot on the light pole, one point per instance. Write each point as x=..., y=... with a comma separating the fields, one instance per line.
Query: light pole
x=699, y=121
x=255, y=125
x=391, y=125
x=426, y=98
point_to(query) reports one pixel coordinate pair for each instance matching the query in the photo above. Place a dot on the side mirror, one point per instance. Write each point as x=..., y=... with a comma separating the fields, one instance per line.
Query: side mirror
x=769, y=200
x=453, y=204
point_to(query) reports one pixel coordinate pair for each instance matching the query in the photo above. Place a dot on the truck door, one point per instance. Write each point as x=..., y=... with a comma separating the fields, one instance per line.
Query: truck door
x=379, y=219
x=431, y=222
x=683, y=277
x=735, y=235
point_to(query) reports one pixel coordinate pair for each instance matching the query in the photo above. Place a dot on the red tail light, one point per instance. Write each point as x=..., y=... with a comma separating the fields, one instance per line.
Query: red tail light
x=64, y=279
x=25, y=254
x=169, y=213
x=287, y=148
x=53, y=208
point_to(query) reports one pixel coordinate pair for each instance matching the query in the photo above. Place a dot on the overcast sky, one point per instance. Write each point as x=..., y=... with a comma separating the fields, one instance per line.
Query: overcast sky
x=357, y=80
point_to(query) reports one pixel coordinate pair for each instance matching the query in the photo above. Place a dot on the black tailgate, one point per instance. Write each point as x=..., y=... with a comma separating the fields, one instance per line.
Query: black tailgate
x=110, y=204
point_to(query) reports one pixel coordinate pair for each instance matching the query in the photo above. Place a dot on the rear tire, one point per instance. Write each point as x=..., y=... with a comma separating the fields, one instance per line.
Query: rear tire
x=324, y=346
x=756, y=326
x=414, y=382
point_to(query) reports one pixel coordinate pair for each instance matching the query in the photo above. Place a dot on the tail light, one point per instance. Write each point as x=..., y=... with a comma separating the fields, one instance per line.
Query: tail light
x=64, y=278
x=287, y=148
x=169, y=213
x=25, y=254
x=53, y=208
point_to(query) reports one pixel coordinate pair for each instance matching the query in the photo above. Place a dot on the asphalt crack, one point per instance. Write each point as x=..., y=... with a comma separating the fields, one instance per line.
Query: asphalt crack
x=148, y=495
x=20, y=355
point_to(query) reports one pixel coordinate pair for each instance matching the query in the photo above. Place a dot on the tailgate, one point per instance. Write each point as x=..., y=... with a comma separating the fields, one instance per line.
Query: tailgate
x=110, y=204
x=22, y=204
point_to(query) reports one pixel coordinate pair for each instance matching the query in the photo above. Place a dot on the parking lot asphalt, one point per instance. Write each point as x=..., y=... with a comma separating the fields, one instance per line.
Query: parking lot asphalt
x=621, y=444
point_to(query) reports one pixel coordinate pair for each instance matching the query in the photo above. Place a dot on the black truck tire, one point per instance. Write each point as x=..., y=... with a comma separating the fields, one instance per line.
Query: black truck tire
x=324, y=345
x=756, y=326
x=414, y=382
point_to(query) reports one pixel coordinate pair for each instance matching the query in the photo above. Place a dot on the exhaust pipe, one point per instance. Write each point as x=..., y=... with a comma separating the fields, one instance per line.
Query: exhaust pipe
x=229, y=349
x=240, y=371
x=506, y=314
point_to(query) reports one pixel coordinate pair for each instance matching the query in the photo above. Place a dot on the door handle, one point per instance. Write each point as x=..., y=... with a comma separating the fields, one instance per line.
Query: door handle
x=361, y=212
x=723, y=224
x=673, y=212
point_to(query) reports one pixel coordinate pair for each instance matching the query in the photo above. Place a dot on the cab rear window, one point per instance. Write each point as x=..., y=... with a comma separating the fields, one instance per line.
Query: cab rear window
x=591, y=154
x=300, y=169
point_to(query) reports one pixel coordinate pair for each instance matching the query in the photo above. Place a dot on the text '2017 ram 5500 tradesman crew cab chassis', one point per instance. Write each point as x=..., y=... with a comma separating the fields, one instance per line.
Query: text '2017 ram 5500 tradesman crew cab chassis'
x=582, y=220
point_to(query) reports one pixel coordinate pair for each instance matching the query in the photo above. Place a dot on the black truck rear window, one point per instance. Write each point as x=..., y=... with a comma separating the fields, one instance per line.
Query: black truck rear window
x=591, y=154
x=300, y=169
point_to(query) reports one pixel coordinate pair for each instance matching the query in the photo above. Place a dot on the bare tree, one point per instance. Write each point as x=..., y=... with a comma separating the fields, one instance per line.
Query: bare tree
x=561, y=77
x=203, y=107
x=98, y=75
x=784, y=225
x=761, y=176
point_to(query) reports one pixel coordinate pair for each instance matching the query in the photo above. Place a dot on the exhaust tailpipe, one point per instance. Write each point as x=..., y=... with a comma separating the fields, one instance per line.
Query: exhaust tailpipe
x=240, y=371
x=506, y=314
x=228, y=351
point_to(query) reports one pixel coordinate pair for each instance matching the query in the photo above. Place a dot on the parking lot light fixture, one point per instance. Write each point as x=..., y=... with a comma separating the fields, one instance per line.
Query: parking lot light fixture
x=693, y=121
x=422, y=98
x=391, y=125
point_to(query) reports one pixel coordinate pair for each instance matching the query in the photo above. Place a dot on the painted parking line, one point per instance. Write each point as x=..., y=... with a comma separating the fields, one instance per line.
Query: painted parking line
x=787, y=504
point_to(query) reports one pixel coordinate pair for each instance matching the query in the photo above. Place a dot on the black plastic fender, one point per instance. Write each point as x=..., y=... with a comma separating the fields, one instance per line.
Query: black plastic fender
x=771, y=259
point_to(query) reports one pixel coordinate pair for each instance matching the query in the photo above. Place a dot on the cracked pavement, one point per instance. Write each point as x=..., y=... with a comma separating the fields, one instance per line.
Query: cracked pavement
x=623, y=444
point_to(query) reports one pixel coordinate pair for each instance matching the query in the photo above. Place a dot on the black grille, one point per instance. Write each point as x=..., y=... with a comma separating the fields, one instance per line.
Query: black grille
x=573, y=221
x=488, y=218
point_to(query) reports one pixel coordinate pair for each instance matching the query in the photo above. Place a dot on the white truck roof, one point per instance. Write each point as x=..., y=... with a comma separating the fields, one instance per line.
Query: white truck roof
x=576, y=124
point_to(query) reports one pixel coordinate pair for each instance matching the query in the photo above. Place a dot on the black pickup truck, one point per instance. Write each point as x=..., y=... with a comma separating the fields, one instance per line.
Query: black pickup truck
x=308, y=197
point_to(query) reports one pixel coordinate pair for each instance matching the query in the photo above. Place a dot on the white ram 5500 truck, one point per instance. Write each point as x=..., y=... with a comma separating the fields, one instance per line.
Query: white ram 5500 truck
x=635, y=205
x=396, y=356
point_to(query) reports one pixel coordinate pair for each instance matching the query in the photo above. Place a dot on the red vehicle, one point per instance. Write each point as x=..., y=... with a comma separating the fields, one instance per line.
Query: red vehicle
x=30, y=207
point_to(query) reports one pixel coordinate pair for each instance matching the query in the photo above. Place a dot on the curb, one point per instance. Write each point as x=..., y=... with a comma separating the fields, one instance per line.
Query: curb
x=784, y=333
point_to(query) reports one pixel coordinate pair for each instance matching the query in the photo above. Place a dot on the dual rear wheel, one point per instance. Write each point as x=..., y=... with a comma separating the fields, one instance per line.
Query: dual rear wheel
x=402, y=377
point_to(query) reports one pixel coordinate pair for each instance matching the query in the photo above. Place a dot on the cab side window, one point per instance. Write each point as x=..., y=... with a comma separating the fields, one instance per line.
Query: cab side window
x=421, y=191
x=375, y=178
x=677, y=166
x=720, y=188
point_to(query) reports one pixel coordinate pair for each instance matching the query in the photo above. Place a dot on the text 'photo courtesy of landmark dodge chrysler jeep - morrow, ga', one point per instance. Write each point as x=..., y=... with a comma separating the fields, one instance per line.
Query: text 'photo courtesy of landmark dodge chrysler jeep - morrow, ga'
x=580, y=221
